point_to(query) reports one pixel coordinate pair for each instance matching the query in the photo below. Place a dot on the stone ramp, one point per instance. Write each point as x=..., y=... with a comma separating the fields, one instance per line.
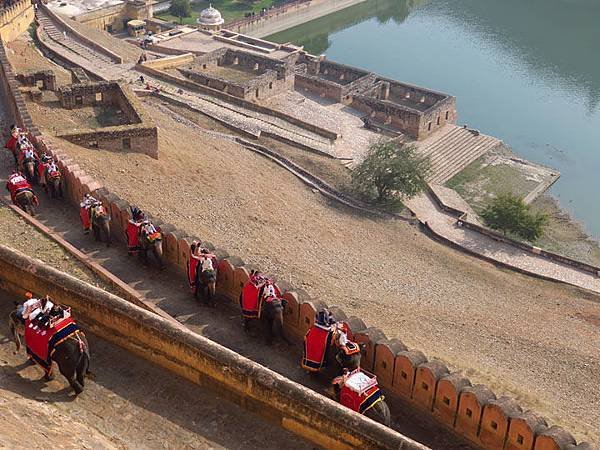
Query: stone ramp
x=57, y=34
x=453, y=149
x=75, y=52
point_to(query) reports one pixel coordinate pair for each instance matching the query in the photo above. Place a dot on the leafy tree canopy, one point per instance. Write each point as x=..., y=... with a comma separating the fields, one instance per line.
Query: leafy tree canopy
x=390, y=172
x=509, y=214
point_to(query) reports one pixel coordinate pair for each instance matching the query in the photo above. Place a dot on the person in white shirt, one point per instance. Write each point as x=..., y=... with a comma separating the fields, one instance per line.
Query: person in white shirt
x=43, y=309
x=31, y=305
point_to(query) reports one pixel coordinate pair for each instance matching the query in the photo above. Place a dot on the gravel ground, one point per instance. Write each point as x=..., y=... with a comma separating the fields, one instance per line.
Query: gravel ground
x=534, y=340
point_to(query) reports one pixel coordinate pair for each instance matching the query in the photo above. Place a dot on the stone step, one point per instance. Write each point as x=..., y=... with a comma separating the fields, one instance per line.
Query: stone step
x=466, y=159
x=468, y=155
x=451, y=148
x=450, y=154
x=431, y=148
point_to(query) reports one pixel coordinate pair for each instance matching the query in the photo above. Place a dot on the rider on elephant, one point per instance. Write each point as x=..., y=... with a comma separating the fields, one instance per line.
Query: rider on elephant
x=45, y=162
x=16, y=184
x=26, y=150
x=192, y=266
x=133, y=230
x=13, y=141
x=84, y=212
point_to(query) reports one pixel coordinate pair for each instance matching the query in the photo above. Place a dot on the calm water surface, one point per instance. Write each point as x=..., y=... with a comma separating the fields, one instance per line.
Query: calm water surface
x=525, y=71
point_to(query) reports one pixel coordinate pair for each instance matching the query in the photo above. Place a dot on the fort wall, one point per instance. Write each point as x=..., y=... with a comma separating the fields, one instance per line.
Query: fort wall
x=15, y=19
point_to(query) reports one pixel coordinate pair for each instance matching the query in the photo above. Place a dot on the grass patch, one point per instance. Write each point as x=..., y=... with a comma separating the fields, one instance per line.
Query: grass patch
x=229, y=9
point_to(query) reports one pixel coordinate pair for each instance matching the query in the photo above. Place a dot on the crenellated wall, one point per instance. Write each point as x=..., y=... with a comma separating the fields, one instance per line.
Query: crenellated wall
x=473, y=412
x=15, y=19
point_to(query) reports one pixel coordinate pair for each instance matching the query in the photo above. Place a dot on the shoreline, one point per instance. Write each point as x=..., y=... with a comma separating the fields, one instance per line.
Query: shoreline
x=485, y=178
x=297, y=15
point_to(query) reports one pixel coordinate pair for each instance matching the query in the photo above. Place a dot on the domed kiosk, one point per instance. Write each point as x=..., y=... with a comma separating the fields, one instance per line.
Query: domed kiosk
x=210, y=19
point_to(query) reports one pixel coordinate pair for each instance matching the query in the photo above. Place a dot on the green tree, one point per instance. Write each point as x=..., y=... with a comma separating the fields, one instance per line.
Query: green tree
x=509, y=214
x=390, y=172
x=181, y=9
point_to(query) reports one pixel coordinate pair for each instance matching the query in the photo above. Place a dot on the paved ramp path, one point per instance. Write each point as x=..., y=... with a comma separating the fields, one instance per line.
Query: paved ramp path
x=443, y=224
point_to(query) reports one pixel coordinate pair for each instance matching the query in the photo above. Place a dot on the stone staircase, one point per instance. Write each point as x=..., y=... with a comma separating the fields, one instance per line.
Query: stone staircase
x=453, y=149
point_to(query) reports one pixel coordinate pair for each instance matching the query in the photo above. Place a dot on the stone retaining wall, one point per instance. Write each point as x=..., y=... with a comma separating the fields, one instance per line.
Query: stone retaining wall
x=497, y=236
x=405, y=373
x=202, y=361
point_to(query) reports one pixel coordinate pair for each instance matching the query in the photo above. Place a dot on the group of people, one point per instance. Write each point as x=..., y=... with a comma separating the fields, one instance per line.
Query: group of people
x=39, y=311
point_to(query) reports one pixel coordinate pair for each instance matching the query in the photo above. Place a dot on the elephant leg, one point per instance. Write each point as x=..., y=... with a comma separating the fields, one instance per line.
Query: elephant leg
x=71, y=375
x=380, y=412
x=83, y=369
x=270, y=333
x=158, y=256
x=106, y=229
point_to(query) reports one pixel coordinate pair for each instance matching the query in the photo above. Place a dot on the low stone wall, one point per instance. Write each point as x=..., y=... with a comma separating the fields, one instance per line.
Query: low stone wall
x=140, y=136
x=462, y=221
x=15, y=19
x=47, y=78
x=201, y=361
x=170, y=61
x=127, y=138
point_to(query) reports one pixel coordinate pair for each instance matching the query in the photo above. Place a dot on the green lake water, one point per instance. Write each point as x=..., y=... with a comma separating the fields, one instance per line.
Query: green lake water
x=525, y=71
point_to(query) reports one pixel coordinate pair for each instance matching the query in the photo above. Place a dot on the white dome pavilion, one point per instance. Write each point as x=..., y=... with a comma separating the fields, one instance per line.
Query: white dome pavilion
x=210, y=19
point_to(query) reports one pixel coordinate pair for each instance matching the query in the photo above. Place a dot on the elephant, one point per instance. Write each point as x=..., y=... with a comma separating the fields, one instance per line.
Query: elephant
x=53, y=184
x=71, y=355
x=272, y=317
x=28, y=165
x=100, y=223
x=154, y=244
x=26, y=201
x=207, y=282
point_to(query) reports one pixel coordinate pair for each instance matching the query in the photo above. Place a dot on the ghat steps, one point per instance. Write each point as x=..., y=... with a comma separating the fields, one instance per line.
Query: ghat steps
x=452, y=149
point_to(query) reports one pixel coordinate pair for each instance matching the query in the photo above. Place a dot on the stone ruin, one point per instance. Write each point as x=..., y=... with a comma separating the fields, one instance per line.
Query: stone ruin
x=415, y=111
x=241, y=74
x=139, y=134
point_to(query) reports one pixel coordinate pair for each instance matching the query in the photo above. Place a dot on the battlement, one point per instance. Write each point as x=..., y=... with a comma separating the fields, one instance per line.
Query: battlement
x=15, y=19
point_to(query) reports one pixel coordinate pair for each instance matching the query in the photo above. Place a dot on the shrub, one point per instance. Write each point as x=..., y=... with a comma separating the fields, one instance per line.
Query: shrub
x=509, y=214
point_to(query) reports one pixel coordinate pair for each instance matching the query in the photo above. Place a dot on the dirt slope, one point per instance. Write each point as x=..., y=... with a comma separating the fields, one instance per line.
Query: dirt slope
x=531, y=339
